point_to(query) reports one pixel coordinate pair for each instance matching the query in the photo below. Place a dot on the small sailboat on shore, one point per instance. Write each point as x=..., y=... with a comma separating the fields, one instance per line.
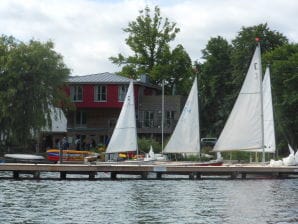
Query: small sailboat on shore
x=124, y=137
x=150, y=156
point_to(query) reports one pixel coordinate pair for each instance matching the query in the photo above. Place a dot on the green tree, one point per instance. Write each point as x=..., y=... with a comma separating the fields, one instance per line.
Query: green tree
x=145, y=143
x=284, y=78
x=223, y=71
x=149, y=37
x=177, y=70
x=244, y=45
x=215, y=86
x=31, y=79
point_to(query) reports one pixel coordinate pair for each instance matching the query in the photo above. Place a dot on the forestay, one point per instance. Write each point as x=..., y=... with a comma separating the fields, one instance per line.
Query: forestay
x=186, y=136
x=124, y=138
x=243, y=129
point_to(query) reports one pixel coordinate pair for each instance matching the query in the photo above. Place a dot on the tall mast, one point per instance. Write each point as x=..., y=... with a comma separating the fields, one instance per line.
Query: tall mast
x=262, y=107
x=162, y=112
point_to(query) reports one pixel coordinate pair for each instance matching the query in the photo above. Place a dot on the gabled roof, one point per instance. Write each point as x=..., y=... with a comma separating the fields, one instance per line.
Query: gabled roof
x=99, y=78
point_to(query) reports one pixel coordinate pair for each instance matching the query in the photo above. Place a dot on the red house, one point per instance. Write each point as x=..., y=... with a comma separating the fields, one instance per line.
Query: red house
x=98, y=99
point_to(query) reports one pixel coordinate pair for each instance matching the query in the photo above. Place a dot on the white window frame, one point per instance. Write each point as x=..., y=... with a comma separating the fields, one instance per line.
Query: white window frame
x=99, y=94
x=122, y=90
x=149, y=118
x=82, y=117
x=75, y=94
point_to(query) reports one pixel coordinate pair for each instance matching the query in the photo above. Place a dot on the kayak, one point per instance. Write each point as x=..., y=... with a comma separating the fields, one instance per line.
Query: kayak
x=68, y=155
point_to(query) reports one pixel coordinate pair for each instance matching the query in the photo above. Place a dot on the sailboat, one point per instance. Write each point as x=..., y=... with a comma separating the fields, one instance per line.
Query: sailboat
x=268, y=121
x=150, y=156
x=186, y=136
x=244, y=129
x=124, y=137
x=269, y=131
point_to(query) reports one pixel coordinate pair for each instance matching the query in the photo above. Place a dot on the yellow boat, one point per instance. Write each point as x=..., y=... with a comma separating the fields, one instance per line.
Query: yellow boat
x=68, y=155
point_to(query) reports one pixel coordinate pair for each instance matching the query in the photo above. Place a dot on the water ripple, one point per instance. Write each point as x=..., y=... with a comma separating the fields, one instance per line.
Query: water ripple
x=149, y=201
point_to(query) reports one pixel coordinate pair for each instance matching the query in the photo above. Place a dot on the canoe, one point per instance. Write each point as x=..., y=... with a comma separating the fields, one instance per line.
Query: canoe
x=23, y=158
x=68, y=155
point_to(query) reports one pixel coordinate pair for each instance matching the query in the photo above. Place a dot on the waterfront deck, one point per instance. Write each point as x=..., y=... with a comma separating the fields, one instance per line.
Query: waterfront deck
x=144, y=171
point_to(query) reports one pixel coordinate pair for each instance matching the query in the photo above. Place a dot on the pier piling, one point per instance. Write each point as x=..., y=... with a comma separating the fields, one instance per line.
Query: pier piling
x=16, y=175
x=63, y=175
x=159, y=176
x=113, y=175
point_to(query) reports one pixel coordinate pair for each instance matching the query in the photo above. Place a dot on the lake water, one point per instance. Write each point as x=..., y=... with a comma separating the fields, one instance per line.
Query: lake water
x=149, y=201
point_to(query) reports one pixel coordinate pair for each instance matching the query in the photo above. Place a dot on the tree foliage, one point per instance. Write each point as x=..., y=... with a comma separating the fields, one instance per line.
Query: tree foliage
x=214, y=83
x=31, y=77
x=148, y=38
x=244, y=45
x=284, y=78
x=223, y=71
x=145, y=143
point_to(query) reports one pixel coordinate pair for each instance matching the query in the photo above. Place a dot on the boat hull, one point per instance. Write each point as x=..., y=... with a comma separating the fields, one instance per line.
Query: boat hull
x=68, y=155
x=23, y=158
x=186, y=163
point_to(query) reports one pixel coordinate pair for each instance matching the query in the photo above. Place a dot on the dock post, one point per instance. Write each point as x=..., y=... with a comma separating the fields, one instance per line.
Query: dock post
x=191, y=176
x=198, y=176
x=113, y=175
x=158, y=176
x=36, y=175
x=63, y=175
x=144, y=175
x=92, y=175
x=233, y=175
x=243, y=175
x=16, y=175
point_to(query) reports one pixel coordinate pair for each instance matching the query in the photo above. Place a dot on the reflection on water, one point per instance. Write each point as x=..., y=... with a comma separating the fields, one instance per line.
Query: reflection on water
x=149, y=201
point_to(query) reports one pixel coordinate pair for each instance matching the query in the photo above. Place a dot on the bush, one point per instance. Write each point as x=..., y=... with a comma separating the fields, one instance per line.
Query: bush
x=145, y=143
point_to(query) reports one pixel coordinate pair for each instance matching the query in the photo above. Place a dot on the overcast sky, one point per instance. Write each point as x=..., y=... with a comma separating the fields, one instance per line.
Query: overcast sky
x=88, y=32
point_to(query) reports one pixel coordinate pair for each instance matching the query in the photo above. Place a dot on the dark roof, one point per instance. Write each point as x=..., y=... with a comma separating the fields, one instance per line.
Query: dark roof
x=99, y=78
x=108, y=78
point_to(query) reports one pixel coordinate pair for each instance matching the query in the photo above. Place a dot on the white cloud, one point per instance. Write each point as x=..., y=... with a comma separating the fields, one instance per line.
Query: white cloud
x=88, y=32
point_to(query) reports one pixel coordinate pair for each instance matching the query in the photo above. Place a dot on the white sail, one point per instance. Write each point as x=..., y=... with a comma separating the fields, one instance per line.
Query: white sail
x=269, y=132
x=186, y=136
x=124, y=137
x=150, y=156
x=243, y=129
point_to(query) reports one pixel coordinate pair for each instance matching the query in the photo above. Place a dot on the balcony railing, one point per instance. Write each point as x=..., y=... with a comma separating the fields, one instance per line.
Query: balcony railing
x=154, y=126
x=143, y=126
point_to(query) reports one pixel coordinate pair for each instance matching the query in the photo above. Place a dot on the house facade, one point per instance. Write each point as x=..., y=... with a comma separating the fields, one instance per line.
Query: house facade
x=98, y=99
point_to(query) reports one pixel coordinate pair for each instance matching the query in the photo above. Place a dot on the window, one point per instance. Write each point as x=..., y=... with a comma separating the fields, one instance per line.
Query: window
x=76, y=93
x=149, y=119
x=103, y=139
x=100, y=93
x=112, y=123
x=208, y=141
x=170, y=118
x=81, y=118
x=122, y=92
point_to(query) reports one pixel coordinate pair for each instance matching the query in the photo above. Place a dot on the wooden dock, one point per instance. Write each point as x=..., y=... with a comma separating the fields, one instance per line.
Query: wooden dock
x=141, y=171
